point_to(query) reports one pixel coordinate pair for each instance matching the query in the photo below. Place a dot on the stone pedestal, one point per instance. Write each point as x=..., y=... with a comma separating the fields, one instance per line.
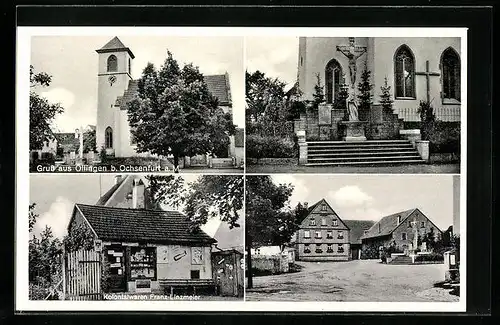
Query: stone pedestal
x=301, y=135
x=354, y=130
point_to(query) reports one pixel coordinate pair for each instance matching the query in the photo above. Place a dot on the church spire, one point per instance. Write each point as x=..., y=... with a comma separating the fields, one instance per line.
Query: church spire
x=115, y=45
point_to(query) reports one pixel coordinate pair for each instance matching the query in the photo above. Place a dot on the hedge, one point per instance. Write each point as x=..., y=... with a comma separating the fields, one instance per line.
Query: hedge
x=444, y=137
x=270, y=147
x=434, y=257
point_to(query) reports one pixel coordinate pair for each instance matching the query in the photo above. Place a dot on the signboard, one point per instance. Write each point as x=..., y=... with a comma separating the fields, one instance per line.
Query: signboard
x=98, y=245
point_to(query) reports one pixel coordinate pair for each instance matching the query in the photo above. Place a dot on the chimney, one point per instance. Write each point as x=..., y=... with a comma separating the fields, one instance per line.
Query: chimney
x=118, y=179
x=138, y=194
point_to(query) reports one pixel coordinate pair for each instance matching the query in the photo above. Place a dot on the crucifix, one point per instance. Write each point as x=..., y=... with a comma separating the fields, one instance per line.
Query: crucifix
x=427, y=75
x=79, y=135
x=352, y=52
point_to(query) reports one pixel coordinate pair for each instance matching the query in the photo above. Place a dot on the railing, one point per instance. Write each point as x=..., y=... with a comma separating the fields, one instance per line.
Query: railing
x=445, y=114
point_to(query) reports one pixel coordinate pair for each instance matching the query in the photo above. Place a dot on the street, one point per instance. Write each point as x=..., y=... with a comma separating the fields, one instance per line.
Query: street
x=359, y=280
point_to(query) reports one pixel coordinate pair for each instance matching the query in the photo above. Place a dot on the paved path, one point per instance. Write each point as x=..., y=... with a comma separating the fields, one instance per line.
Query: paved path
x=361, y=280
x=399, y=169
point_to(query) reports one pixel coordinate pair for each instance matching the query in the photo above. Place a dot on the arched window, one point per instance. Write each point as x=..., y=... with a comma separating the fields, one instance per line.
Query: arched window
x=109, y=137
x=333, y=79
x=112, y=63
x=404, y=72
x=450, y=65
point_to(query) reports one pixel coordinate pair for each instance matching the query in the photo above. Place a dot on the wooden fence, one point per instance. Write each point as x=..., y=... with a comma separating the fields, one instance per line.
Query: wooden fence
x=83, y=275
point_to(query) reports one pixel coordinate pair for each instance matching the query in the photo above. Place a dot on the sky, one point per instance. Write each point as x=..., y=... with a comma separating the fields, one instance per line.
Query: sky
x=371, y=197
x=277, y=57
x=72, y=62
x=56, y=206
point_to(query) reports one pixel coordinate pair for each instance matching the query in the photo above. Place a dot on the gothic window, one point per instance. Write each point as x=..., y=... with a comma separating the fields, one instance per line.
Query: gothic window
x=333, y=79
x=404, y=72
x=109, y=137
x=450, y=65
x=112, y=64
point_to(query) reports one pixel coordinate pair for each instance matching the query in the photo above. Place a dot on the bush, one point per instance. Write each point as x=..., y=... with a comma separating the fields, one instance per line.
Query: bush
x=432, y=257
x=444, y=137
x=270, y=147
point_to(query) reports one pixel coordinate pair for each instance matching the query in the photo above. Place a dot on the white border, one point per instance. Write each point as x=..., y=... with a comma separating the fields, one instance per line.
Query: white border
x=22, y=303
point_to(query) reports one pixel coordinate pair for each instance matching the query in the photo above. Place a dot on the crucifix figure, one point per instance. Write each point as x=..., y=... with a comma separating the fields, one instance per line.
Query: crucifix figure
x=427, y=75
x=352, y=52
x=79, y=135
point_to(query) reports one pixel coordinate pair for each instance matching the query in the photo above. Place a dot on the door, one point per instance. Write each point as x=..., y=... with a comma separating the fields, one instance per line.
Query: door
x=82, y=275
x=115, y=256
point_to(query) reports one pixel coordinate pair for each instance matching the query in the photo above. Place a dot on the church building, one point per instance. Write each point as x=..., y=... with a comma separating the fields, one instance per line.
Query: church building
x=116, y=88
x=416, y=68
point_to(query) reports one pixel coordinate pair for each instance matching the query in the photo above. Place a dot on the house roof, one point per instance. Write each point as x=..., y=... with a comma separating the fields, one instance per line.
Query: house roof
x=115, y=45
x=106, y=196
x=238, y=137
x=141, y=225
x=387, y=224
x=357, y=229
x=218, y=85
x=67, y=141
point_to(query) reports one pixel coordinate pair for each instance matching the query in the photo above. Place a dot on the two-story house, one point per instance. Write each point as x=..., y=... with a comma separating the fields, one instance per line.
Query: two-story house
x=322, y=235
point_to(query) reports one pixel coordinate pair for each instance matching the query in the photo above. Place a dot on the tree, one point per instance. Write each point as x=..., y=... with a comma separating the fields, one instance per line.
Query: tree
x=210, y=196
x=175, y=114
x=365, y=90
x=32, y=216
x=319, y=94
x=262, y=95
x=264, y=216
x=386, y=96
x=89, y=142
x=79, y=237
x=42, y=113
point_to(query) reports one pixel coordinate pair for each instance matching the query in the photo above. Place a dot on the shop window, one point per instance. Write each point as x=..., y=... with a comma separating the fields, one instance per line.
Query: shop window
x=142, y=263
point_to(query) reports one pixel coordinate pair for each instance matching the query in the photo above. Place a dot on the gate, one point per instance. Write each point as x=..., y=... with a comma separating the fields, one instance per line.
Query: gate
x=228, y=272
x=83, y=275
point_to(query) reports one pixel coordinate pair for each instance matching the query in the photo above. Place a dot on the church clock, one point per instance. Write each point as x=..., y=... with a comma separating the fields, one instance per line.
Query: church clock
x=112, y=80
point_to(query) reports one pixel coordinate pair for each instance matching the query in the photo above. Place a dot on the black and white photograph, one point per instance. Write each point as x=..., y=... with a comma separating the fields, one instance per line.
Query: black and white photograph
x=136, y=104
x=346, y=238
x=354, y=104
x=133, y=237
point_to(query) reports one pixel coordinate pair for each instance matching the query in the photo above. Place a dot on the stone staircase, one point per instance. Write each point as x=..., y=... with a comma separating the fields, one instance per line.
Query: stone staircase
x=401, y=260
x=370, y=152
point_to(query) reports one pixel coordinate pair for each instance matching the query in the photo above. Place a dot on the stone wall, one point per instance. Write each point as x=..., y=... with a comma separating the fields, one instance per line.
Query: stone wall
x=274, y=264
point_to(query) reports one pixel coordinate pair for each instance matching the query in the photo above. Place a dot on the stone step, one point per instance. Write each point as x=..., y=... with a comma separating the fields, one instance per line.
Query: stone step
x=357, y=142
x=355, y=146
x=367, y=163
x=369, y=158
x=364, y=154
x=314, y=150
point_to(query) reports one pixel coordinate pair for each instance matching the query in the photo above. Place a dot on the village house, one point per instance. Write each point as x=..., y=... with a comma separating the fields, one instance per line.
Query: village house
x=147, y=249
x=116, y=88
x=397, y=230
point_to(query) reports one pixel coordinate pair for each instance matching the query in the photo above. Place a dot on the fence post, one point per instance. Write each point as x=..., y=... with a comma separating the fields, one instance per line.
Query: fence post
x=64, y=271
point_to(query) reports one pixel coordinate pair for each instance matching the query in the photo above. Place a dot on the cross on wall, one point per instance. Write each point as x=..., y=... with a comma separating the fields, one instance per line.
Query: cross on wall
x=427, y=75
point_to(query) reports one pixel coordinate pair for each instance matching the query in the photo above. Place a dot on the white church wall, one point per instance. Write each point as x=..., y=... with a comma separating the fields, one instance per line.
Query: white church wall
x=423, y=49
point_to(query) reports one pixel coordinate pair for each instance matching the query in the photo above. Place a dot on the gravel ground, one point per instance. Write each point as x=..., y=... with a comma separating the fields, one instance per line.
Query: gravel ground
x=361, y=280
x=399, y=169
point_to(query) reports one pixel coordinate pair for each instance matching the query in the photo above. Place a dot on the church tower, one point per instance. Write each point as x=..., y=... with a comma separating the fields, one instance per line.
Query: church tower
x=115, y=65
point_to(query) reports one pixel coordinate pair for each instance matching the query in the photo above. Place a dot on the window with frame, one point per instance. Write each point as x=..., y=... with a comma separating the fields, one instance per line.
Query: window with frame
x=318, y=234
x=108, y=137
x=312, y=222
x=112, y=64
x=340, y=248
x=450, y=65
x=307, y=249
x=409, y=224
x=307, y=234
x=404, y=236
x=323, y=221
x=333, y=80
x=323, y=207
x=422, y=224
x=329, y=248
x=318, y=249
x=340, y=234
x=404, y=73
x=329, y=234
x=335, y=222
x=142, y=262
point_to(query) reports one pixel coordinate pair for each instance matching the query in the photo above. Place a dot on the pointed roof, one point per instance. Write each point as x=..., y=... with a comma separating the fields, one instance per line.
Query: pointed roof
x=388, y=224
x=115, y=45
